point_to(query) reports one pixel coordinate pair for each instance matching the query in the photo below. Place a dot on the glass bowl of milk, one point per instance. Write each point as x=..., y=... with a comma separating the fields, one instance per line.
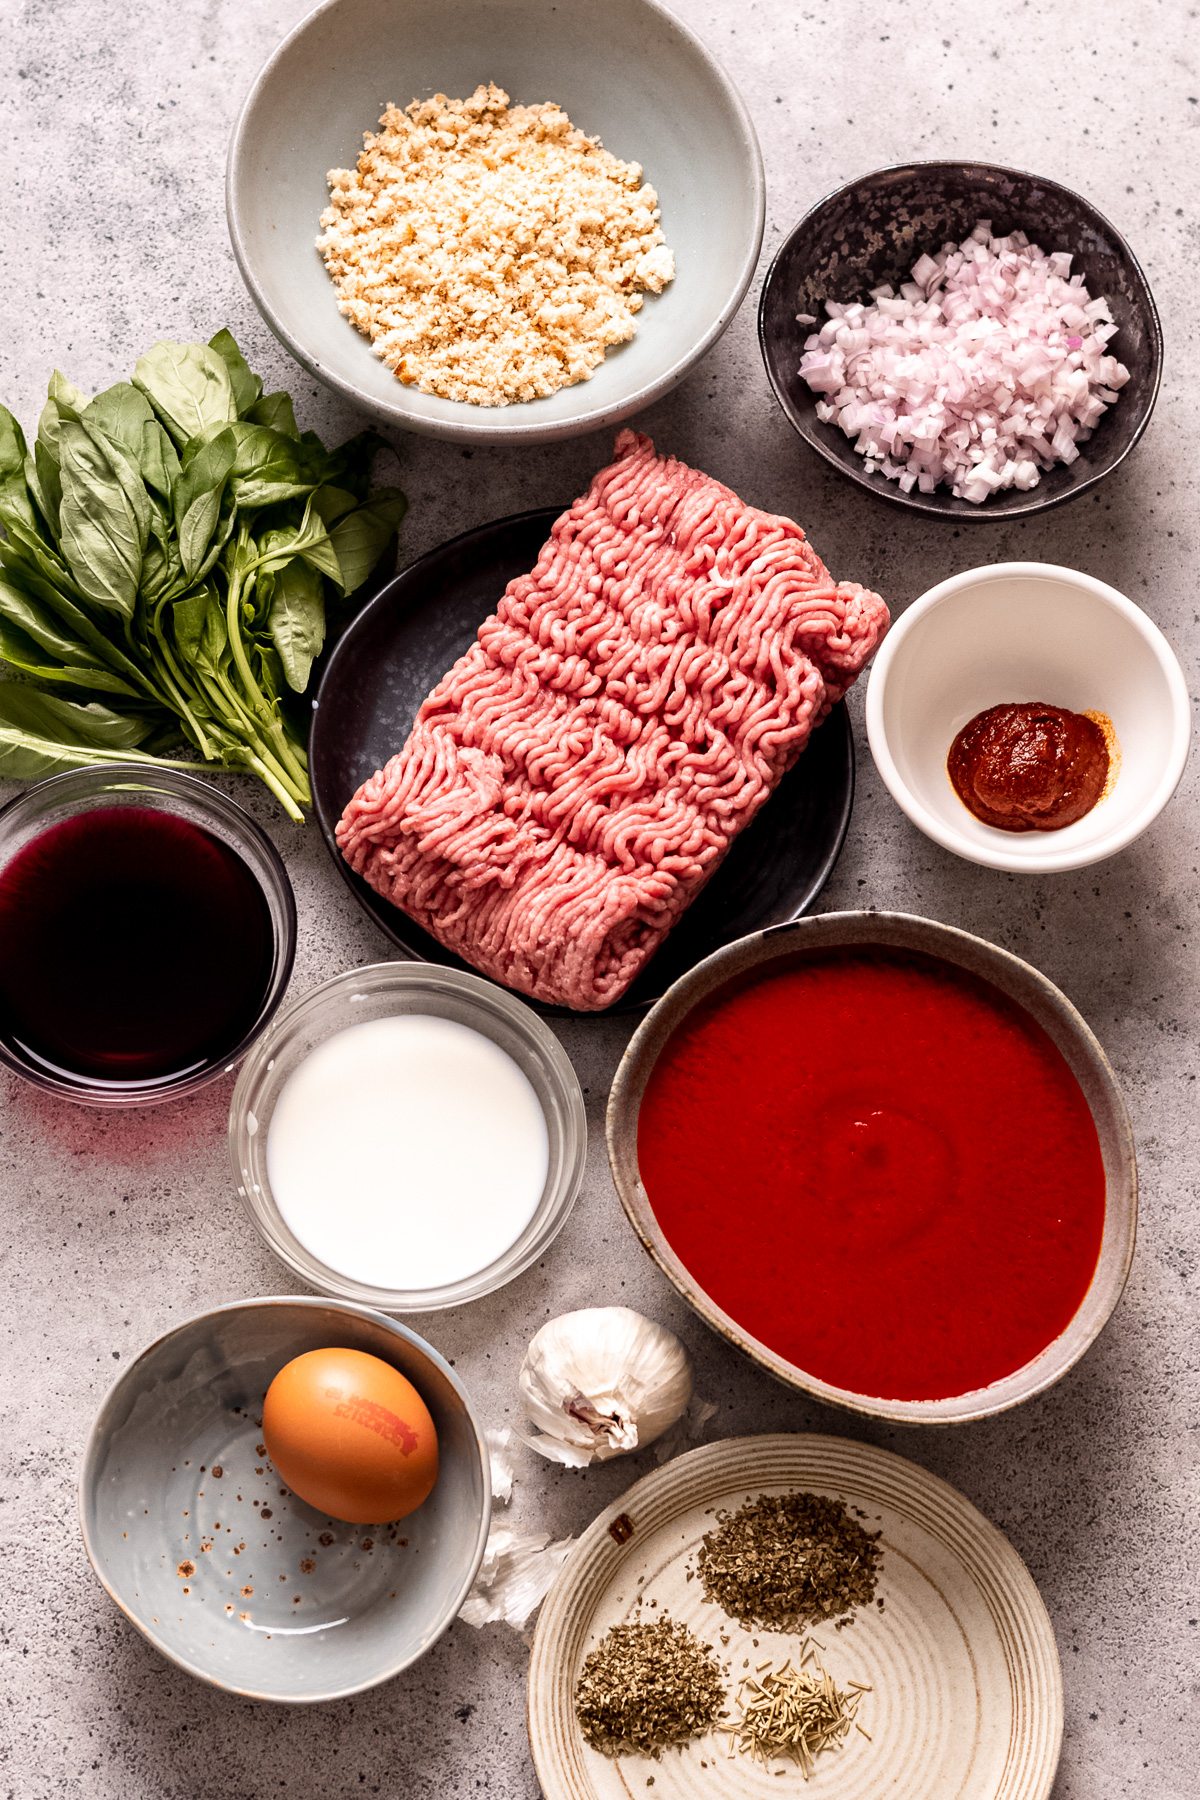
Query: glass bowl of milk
x=408, y=1136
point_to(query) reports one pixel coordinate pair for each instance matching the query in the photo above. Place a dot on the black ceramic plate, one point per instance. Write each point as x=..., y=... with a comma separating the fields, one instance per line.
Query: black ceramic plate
x=872, y=231
x=398, y=649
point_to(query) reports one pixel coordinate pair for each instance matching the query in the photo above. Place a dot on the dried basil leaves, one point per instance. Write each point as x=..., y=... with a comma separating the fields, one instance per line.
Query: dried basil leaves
x=785, y=1561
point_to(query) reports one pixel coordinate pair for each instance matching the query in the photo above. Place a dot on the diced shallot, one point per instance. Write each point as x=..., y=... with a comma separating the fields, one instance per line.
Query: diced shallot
x=989, y=366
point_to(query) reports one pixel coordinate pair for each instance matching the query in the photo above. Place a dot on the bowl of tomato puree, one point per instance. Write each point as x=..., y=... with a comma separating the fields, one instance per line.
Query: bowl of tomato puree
x=885, y=1159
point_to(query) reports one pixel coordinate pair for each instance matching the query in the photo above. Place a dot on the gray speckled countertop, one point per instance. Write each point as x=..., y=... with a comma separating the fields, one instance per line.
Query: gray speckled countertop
x=114, y=120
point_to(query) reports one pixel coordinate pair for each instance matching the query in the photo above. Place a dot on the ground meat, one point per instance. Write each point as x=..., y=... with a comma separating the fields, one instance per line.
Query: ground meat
x=574, y=780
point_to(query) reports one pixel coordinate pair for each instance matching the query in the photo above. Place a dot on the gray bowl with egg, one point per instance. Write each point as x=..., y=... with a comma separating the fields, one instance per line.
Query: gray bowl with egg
x=628, y=72
x=229, y=1574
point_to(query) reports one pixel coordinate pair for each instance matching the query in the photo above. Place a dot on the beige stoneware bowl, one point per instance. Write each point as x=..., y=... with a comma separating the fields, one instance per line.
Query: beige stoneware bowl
x=1058, y=1019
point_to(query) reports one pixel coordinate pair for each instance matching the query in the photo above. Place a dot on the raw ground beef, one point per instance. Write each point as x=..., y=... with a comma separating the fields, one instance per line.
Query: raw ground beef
x=573, y=781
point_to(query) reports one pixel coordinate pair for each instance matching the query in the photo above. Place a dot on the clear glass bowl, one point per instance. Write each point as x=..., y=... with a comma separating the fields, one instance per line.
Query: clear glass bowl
x=379, y=991
x=61, y=797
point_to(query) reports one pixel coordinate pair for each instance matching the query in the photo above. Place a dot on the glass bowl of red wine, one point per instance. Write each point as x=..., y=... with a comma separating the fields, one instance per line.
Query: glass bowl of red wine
x=147, y=932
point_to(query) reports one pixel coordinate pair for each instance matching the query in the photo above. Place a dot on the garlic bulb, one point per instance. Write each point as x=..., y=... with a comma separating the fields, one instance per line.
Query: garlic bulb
x=600, y=1382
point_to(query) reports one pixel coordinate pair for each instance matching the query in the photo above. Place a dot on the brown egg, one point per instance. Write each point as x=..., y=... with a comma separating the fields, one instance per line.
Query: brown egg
x=351, y=1436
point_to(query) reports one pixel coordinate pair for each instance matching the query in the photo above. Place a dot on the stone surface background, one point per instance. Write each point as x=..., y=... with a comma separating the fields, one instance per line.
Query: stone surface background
x=113, y=121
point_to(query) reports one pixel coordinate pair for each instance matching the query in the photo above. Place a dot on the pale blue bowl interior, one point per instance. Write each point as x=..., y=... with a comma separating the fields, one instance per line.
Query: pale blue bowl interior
x=333, y=1607
x=625, y=70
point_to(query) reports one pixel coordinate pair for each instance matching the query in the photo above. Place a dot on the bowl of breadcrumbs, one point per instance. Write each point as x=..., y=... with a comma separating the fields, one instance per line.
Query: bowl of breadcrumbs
x=493, y=221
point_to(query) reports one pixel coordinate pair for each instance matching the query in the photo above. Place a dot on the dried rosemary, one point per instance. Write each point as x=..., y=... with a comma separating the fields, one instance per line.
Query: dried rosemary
x=789, y=1560
x=794, y=1713
x=647, y=1686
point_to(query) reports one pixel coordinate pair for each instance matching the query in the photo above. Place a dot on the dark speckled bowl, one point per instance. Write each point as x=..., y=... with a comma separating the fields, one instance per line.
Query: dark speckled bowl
x=874, y=229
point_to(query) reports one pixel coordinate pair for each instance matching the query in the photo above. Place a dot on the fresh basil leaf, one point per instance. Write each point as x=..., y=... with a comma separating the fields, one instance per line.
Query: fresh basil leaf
x=67, y=397
x=50, y=424
x=93, y=725
x=27, y=549
x=15, y=502
x=188, y=386
x=14, y=490
x=267, y=469
x=13, y=448
x=331, y=503
x=318, y=464
x=17, y=648
x=214, y=637
x=188, y=618
x=61, y=602
x=205, y=467
x=275, y=410
x=44, y=627
x=104, y=518
x=48, y=477
x=197, y=497
x=123, y=413
x=349, y=466
x=26, y=755
x=226, y=520
x=34, y=514
x=271, y=677
x=161, y=565
x=253, y=493
x=120, y=412
x=247, y=388
x=297, y=620
x=157, y=459
x=309, y=540
x=361, y=537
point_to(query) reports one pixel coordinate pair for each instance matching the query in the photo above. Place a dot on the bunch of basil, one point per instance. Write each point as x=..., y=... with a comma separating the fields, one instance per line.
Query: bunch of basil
x=171, y=546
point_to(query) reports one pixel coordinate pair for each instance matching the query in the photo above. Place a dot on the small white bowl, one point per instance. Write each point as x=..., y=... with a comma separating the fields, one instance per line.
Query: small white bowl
x=1020, y=632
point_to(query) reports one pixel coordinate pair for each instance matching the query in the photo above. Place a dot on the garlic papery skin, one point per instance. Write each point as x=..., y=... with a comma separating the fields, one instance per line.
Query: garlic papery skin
x=600, y=1382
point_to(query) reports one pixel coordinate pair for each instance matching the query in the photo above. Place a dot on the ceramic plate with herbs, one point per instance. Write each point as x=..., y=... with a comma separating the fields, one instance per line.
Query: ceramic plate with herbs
x=941, y=1679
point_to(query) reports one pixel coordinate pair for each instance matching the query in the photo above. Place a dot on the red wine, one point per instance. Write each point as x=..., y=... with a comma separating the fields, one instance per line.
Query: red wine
x=134, y=946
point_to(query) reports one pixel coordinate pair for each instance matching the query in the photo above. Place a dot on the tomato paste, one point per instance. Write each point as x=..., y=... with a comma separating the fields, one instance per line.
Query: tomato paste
x=1030, y=767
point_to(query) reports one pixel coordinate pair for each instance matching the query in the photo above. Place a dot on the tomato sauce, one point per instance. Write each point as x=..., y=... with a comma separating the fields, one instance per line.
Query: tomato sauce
x=880, y=1167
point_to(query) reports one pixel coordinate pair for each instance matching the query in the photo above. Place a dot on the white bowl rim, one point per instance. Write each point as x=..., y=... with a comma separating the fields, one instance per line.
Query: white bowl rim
x=1048, y=860
x=467, y=431
x=92, y=1446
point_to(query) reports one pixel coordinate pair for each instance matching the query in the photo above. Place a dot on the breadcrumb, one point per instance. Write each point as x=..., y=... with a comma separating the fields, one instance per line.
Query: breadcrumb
x=491, y=253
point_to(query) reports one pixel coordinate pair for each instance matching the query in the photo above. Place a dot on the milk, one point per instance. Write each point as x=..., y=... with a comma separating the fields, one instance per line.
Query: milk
x=407, y=1152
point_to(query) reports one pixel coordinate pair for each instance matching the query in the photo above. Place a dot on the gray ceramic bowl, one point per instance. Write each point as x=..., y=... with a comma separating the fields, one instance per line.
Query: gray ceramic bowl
x=1062, y=1024
x=280, y=1603
x=872, y=230
x=627, y=71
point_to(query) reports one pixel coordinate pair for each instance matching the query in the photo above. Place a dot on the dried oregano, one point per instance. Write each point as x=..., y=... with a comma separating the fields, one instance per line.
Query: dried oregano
x=647, y=1686
x=789, y=1560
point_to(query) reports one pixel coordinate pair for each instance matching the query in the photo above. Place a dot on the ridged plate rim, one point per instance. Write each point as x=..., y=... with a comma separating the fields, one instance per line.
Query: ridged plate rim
x=824, y=1464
